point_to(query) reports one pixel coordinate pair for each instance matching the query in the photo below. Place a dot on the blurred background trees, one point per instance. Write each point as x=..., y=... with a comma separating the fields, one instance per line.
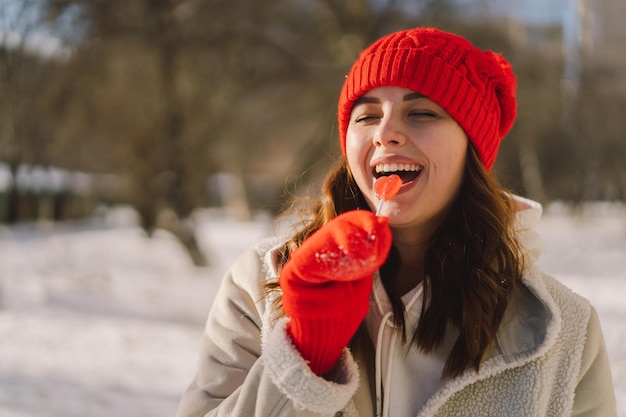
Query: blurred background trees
x=173, y=105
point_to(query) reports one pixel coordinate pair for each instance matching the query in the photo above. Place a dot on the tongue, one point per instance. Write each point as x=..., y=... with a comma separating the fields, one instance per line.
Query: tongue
x=386, y=187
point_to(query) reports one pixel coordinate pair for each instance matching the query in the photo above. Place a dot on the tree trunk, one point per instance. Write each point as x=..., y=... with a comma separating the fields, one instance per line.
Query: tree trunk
x=184, y=231
x=187, y=237
x=531, y=172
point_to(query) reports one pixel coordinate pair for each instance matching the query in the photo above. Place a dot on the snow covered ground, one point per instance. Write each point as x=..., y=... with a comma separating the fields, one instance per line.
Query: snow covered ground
x=96, y=320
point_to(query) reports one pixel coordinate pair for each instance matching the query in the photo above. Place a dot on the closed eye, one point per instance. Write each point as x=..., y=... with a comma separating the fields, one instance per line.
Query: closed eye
x=366, y=118
x=423, y=114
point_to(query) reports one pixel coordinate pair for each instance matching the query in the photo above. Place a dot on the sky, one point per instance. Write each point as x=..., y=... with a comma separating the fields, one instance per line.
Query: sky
x=18, y=25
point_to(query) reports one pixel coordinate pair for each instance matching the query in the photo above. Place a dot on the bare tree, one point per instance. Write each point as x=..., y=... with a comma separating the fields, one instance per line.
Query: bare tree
x=166, y=93
x=166, y=90
x=23, y=66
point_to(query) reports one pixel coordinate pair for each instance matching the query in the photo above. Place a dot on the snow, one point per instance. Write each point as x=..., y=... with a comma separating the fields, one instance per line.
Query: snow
x=98, y=320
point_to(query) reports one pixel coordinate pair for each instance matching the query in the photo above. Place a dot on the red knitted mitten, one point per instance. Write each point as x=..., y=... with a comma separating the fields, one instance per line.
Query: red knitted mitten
x=327, y=281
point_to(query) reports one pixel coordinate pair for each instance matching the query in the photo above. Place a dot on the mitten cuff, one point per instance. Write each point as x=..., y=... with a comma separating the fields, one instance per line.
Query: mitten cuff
x=320, y=340
x=292, y=375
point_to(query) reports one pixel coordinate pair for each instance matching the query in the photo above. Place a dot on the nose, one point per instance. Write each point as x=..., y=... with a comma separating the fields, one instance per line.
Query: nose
x=389, y=133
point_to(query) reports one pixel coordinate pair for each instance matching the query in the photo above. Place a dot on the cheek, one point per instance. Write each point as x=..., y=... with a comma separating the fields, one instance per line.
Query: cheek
x=449, y=160
x=356, y=151
x=455, y=150
x=457, y=161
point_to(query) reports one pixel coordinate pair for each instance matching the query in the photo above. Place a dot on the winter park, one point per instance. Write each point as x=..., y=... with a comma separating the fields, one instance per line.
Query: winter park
x=144, y=146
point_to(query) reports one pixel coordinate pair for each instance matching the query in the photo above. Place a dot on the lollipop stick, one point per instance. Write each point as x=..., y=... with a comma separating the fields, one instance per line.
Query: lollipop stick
x=380, y=207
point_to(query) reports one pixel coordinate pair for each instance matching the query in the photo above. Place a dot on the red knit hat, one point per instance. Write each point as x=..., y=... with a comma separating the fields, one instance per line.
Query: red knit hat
x=477, y=88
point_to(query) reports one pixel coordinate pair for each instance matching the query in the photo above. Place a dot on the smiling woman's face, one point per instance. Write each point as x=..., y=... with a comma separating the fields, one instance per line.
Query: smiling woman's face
x=396, y=130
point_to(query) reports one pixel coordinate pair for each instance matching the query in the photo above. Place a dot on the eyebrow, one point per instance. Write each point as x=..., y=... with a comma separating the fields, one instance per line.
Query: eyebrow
x=376, y=100
x=413, y=96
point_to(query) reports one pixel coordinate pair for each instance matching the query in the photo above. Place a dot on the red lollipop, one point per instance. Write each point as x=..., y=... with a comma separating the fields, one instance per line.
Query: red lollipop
x=385, y=188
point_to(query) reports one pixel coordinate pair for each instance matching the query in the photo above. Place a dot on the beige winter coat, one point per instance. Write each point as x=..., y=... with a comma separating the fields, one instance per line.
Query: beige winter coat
x=549, y=358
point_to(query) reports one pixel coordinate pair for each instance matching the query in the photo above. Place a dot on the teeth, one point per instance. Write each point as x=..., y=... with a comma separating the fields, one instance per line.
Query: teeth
x=397, y=167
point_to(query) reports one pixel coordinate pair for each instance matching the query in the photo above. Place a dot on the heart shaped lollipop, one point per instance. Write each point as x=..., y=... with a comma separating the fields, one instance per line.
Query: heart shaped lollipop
x=385, y=188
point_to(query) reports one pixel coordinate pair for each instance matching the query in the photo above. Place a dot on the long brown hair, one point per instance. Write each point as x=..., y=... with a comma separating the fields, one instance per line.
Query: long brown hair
x=473, y=262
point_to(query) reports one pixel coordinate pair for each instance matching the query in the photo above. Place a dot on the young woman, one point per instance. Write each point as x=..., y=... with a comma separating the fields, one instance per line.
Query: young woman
x=436, y=306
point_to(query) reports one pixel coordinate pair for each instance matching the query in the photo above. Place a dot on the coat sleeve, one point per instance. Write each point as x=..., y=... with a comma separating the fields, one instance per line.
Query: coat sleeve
x=594, y=395
x=249, y=367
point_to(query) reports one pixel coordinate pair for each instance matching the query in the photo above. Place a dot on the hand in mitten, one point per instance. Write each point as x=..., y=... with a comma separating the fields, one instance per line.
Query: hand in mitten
x=327, y=281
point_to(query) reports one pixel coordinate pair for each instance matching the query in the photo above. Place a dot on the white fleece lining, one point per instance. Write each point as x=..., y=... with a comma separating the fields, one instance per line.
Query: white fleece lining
x=293, y=377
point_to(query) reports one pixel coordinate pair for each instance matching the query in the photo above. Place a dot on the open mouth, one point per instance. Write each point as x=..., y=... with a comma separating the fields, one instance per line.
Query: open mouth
x=407, y=172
